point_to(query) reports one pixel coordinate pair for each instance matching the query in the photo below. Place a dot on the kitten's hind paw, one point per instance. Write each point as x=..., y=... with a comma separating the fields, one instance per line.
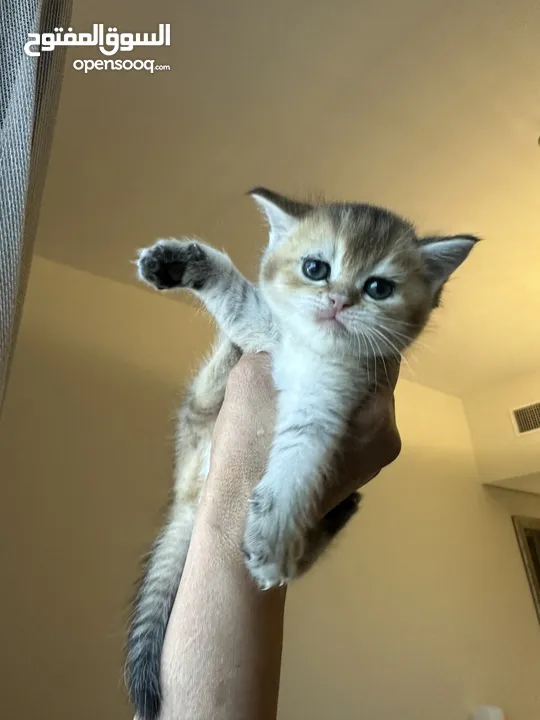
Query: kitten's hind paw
x=172, y=264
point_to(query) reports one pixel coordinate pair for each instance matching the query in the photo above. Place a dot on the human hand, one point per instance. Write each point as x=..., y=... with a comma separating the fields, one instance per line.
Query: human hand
x=244, y=432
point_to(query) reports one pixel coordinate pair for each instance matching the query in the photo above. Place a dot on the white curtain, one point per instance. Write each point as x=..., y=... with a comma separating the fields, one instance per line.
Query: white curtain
x=29, y=93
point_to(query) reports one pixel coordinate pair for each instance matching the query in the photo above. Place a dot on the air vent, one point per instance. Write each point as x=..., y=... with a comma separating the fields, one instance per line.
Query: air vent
x=527, y=419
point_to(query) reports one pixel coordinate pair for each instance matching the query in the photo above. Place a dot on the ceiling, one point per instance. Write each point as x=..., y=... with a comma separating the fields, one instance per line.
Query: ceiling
x=428, y=107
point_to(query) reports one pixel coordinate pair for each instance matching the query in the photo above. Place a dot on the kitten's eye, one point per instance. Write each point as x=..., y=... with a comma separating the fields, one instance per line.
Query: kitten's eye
x=379, y=288
x=315, y=269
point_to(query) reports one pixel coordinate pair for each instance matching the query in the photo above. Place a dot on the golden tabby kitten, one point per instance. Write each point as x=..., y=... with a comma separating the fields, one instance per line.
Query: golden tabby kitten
x=341, y=285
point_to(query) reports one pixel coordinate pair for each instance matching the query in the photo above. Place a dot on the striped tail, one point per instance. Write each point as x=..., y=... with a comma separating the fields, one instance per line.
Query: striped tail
x=151, y=612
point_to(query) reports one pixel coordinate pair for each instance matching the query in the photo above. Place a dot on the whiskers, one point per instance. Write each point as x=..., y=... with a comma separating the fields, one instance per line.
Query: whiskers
x=313, y=303
x=377, y=344
x=409, y=331
x=369, y=355
x=390, y=345
x=383, y=343
x=369, y=351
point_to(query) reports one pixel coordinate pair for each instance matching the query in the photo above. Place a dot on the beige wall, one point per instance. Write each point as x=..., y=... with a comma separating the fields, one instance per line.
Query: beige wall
x=504, y=457
x=421, y=612
x=85, y=445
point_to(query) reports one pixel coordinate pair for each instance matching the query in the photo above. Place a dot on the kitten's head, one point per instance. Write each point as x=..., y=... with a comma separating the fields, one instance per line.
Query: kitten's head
x=352, y=278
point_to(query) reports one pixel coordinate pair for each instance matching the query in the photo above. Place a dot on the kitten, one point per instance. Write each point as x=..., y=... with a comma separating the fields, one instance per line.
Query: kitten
x=340, y=285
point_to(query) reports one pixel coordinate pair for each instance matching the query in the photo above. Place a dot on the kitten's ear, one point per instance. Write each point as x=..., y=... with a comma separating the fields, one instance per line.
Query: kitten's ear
x=282, y=214
x=443, y=255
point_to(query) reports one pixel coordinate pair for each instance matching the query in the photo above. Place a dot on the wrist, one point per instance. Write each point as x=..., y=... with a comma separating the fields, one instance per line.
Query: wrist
x=223, y=507
x=220, y=526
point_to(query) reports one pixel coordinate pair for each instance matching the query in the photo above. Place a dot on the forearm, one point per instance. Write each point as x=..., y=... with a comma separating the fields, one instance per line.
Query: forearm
x=222, y=652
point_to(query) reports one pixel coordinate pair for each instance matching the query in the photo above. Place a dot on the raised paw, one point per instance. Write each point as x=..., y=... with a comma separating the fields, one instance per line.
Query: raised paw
x=174, y=264
x=273, y=544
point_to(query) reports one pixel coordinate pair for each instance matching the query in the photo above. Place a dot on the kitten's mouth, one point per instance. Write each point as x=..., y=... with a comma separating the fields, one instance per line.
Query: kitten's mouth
x=330, y=321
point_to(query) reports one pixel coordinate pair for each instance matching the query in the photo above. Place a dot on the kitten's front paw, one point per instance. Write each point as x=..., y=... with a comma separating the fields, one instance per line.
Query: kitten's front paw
x=174, y=264
x=273, y=545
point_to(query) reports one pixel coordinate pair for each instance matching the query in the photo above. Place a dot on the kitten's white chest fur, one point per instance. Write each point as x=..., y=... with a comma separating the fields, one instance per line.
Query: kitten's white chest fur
x=317, y=381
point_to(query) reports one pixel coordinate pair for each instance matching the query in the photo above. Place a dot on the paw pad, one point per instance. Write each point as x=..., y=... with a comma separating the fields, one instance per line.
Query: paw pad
x=173, y=264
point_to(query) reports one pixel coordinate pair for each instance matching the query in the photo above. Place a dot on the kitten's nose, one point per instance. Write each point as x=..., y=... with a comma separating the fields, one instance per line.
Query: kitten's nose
x=339, y=301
